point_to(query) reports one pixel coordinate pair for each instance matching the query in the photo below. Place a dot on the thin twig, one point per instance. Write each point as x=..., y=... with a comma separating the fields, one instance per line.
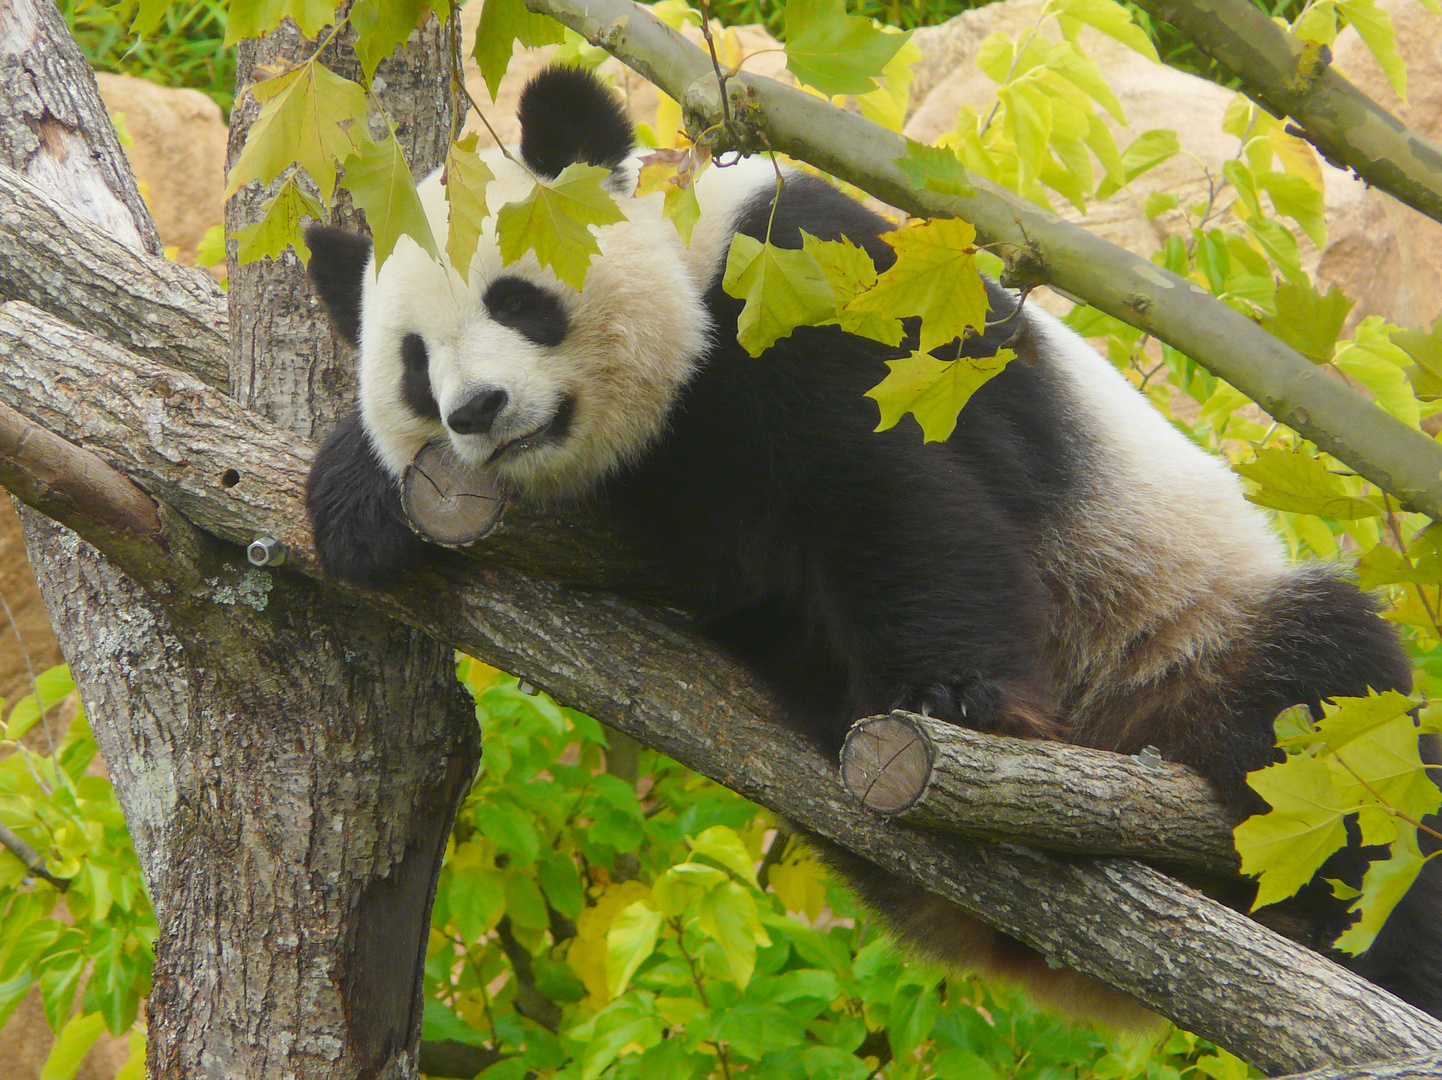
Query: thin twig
x=31, y=858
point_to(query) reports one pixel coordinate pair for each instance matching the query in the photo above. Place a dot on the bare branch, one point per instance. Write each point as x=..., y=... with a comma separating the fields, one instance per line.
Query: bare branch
x=1286, y=384
x=56, y=260
x=1422, y=1067
x=1349, y=128
x=1048, y=795
x=1203, y=965
x=30, y=857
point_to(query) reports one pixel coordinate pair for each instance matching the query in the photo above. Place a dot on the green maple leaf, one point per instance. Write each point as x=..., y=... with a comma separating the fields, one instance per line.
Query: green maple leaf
x=1373, y=360
x=256, y=18
x=279, y=227
x=934, y=168
x=381, y=26
x=835, y=52
x=934, y=276
x=783, y=289
x=1387, y=881
x=1301, y=484
x=850, y=272
x=1388, y=759
x=1426, y=350
x=380, y=181
x=310, y=117
x=503, y=23
x=466, y=178
x=932, y=390
x=1349, y=718
x=1307, y=320
x=1286, y=846
x=555, y=221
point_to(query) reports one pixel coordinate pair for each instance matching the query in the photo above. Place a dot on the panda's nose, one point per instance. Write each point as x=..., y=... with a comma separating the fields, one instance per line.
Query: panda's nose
x=477, y=415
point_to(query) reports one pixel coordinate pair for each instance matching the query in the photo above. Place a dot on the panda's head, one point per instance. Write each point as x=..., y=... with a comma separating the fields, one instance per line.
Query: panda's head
x=549, y=387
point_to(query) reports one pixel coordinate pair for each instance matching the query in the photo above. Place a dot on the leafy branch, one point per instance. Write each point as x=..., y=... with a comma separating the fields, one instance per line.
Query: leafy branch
x=1157, y=301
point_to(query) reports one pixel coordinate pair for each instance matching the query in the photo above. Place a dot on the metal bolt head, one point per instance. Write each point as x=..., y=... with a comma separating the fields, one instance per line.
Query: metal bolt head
x=265, y=551
x=526, y=688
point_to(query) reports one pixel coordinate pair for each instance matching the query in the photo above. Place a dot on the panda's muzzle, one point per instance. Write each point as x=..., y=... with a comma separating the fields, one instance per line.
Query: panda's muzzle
x=552, y=431
x=478, y=415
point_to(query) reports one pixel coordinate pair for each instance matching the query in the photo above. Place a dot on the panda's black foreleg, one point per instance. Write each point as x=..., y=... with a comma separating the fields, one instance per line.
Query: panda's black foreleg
x=361, y=534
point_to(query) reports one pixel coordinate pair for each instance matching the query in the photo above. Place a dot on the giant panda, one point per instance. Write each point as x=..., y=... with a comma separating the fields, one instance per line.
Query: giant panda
x=1067, y=565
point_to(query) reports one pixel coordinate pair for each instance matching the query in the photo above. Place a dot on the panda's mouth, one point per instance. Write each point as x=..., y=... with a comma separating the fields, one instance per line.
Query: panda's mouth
x=552, y=431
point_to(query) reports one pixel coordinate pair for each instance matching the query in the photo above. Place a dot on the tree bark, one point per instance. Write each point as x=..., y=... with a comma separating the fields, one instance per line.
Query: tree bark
x=289, y=764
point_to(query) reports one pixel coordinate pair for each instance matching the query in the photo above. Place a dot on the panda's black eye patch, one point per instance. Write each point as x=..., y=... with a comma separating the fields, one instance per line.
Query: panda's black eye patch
x=527, y=308
x=416, y=378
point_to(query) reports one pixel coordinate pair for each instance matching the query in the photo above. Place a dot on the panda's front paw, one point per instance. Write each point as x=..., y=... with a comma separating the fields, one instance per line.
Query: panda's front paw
x=355, y=509
x=1001, y=707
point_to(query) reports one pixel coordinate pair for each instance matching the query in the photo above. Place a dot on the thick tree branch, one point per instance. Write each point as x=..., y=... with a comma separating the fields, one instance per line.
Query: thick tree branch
x=1349, y=128
x=1421, y=1067
x=1049, y=795
x=58, y=261
x=1286, y=384
x=1208, y=968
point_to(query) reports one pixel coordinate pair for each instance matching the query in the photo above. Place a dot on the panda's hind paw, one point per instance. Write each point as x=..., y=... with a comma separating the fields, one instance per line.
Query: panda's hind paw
x=982, y=704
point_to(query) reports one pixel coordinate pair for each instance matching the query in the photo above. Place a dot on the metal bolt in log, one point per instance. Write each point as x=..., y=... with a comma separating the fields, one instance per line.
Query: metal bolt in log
x=1043, y=794
x=448, y=501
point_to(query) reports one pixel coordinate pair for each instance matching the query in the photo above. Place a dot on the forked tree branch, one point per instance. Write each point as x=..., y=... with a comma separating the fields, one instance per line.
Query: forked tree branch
x=1203, y=965
x=1295, y=391
x=1349, y=129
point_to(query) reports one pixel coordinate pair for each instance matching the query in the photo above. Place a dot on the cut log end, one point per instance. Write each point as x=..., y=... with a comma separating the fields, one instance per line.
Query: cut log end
x=886, y=763
x=448, y=501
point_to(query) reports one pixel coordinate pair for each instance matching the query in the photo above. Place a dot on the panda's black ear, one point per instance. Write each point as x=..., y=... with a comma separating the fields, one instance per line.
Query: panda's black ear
x=337, y=268
x=569, y=114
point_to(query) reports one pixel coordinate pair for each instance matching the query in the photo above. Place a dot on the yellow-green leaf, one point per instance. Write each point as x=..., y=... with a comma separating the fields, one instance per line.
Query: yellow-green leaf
x=835, y=52
x=932, y=390
x=728, y=915
x=380, y=181
x=279, y=227
x=1110, y=18
x=1308, y=321
x=1297, y=199
x=1374, y=26
x=1027, y=122
x=783, y=289
x=1147, y=151
x=310, y=116
x=1387, y=881
x=1380, y=366
x=682, y=884
x=381, y=26
x=850, y=271
x=674, y=171
x=1301, y=484
x=555, y=221
x=503, y=23
x=629, y=942
x=725, y=847
x=1287, y=845
x=1082, y=72
x=72, y=1044
x=148, y=14
x=1383, y=773
x=935, y=277
x=1350, y=718
x=466, y=178
x=1424, y=347
x=934, y=168
x=1318, y=23
x=255, y=18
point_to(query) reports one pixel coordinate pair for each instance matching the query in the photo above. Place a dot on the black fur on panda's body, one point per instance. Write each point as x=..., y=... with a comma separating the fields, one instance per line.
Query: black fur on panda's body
x=858, y=571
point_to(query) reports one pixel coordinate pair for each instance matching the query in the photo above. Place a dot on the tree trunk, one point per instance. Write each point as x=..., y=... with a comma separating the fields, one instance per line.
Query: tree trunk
x=289, y=763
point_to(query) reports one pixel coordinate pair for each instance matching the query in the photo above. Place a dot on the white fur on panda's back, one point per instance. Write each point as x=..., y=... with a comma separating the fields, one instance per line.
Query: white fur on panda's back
x=1162, y=562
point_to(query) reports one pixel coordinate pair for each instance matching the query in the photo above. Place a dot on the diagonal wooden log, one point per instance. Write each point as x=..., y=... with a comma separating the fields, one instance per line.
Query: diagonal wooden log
x=643, y=672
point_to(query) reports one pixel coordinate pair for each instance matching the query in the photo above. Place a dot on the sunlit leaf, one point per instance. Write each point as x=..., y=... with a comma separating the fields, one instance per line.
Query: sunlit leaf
x=851, y=272
x=629, y=943
x=381, y=26
x=1297, y=199
x=934, y=168
x=1387, y=881
x=310, y=116
x=503, y=23
x=1300, y=483
x=556, y=220
x=466, y=177
x=256, y=18
x=279, y=227
x=1308, y=321
x=835, y=52
x=932, y=390
x=935, y=277
x=1110, y=18
x=1374, y=26
x=725, y=847
x=728, y=915
x=380, y=181
x=1285, y=847
x=1373, y=360
x=783, y=289
x=72, y=1044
